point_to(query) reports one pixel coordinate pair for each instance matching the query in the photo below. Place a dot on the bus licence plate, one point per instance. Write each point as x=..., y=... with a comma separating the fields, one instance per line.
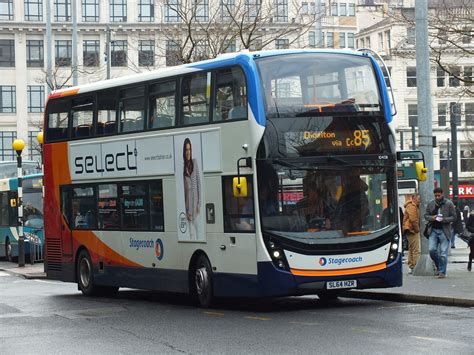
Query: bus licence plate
x=331, y=285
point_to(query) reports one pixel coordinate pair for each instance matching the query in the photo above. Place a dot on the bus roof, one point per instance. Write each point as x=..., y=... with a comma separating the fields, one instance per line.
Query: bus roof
x=11, y=183
x=223, y=59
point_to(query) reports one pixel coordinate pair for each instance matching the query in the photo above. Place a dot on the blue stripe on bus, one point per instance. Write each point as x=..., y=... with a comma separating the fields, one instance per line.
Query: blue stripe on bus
x=383, y=90
x=269, y=282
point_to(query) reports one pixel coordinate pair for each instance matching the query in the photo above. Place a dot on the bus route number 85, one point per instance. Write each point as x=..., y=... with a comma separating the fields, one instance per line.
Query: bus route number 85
x=361, y=137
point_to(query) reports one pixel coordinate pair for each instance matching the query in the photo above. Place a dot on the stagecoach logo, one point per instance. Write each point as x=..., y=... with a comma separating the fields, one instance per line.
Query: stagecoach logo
x=183, y=224
x=323, y=261
x=340, y=261
x=159, y=249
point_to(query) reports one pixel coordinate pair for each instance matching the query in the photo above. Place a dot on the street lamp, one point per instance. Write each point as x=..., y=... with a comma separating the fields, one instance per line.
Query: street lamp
x=18, y=145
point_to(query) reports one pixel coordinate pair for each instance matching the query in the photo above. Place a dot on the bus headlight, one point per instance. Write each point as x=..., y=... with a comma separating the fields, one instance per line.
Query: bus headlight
x=277, y=254
x=393, y=251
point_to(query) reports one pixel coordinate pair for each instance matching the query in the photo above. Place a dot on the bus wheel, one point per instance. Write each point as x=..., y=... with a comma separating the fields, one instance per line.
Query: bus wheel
x=202, y=286
x=85, y=278
x=8, y=250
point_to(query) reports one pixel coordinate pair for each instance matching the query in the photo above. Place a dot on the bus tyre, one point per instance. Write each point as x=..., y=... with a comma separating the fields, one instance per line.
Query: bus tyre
x=85, y=278
x=8, y=250
x=202, y=290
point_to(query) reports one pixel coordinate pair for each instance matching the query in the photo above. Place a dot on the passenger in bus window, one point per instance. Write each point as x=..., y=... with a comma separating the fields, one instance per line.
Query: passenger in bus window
x=192, y=189
x=353, y=207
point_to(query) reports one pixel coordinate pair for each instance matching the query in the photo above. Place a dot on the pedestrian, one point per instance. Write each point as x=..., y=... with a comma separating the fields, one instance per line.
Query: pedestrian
x=440, y=213
x=465, y=214
x=457, y=227
x=470, y=228
x=411, y=229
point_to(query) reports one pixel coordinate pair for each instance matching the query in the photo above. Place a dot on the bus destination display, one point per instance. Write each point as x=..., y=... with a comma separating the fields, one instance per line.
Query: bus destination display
x=327, y=141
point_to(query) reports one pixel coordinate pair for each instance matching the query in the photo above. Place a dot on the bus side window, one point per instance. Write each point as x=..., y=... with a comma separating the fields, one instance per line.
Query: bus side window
x=58, y=115
x=132, y=109
x=134, y=205
x=162, y=111
x=106, y=112
x=108, y=207
x=65, y=204
x=4, y=209
x=195, y=98
x=83, y=208
x=82, y=117
x=239, y=215
x=230, y=100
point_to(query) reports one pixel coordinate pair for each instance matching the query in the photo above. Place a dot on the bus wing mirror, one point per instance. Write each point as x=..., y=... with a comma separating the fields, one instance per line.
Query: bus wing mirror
x=421, y=171
x=239, y=185
x=13, y=202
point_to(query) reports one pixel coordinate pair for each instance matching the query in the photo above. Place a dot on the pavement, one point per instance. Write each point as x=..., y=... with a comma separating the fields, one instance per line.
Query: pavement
x=457, y=289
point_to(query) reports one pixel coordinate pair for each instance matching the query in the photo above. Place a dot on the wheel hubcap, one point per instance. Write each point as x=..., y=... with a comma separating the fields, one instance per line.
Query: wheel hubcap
x=85, y=272
x=202, y=280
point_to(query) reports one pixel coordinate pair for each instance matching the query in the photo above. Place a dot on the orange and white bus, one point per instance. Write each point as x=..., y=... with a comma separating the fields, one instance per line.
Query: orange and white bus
x=252, y=174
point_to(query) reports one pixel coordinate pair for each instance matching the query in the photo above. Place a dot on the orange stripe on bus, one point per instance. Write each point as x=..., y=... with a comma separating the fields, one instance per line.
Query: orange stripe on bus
x=341, y=272
x=64, y=93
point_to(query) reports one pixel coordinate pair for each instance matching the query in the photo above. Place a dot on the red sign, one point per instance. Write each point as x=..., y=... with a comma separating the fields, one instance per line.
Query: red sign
x=465, y=191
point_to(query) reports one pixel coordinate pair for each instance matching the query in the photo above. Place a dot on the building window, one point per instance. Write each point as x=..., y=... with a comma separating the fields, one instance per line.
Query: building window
x=334, y=9
x=172, y=8
x=352, y=11
x=118, y=10
x=281, y=11
x=173, y=53
x=443, y=157
x=34, y=151
x=119, y=53
x=90, y=54
x=442, y=36
x=34, y=52
x=202, y=10
x=146, y=11
x=312, y=39
x=440, y=77
x=454, y=75
x=227, y=9
x=6, y=10
x=466, y=35
x=63, y=53
x=342, y=9
x=367, y=41
x=411, y=77
x=388, y=40
x=90, y=10
x=146, y=53
x=33, y=10
x=350, y=40
x=7, y=99
x=330, y=39
x=442, y=114
x=6, y=142
x=35, y=98
x=413, y=115
x=282, y=43
x=230, y=46
x=7, y=53
x=252, y=9
x=62, y=10
x=342, y=40
x=469, y=113
x=468, y=76
x=411, y=35
x=467, y=160
x=201, y=51
x=381, y=44
x=455, y=110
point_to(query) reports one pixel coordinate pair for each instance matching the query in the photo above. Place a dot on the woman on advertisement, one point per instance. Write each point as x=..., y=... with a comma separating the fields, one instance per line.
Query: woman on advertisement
x=192, y=189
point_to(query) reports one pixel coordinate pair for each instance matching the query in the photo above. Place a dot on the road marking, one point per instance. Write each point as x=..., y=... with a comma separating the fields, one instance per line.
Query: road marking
x=436, y=340
x=403, y=306
x=214, y=314
x=305, y=323
x=258, y=318
x=3, y=273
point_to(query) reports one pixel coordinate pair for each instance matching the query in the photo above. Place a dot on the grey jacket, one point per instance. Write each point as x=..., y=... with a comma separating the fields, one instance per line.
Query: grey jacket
x=448, y=211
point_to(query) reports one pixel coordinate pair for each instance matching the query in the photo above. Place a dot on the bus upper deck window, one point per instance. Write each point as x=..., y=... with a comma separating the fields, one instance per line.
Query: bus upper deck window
x=132, y=109
x=58, y=117
x=162, y=105
x=195, y=98
x=82, y=117
x=106, y=112
x=230, y=100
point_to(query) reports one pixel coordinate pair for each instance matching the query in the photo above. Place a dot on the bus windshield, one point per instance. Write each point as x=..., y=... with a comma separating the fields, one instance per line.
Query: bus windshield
x=313, y=202
x=318, y=83
x=33, y=208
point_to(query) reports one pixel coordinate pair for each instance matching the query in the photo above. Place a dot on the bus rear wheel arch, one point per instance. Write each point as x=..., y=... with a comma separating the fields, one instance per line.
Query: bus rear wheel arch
x=85, y=277
x=201, y=281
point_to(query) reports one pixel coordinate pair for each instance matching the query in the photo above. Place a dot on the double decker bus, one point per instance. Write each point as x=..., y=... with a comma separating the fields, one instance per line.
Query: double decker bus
x=249, y=175
x=32, y=216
